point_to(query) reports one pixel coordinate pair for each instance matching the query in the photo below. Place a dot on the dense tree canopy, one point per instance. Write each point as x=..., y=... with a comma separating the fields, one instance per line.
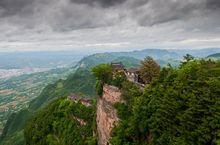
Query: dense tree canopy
x=63, y=122
x=103, y=72
x=188, y=57
x=181, y=107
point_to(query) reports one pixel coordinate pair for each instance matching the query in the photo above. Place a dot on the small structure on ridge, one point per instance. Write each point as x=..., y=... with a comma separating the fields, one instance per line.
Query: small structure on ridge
x=86, y=102
x=132, y=74
x=76, y=98
x=117, y=67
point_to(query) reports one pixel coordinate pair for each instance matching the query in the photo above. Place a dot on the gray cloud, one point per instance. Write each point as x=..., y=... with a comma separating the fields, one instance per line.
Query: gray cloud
x=103, y=3
x=213, y=4
x=134, y=20
x=13, y=7
x=78, y=14
x=160, y=11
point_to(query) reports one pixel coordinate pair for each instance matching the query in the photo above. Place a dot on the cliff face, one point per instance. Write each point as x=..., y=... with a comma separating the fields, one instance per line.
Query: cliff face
x=106, y=113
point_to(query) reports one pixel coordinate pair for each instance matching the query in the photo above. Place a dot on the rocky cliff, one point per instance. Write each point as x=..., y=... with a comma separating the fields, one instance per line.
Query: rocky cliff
x=106, y=113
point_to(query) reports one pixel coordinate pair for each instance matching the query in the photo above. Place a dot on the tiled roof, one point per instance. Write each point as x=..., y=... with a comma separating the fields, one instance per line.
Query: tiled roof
x=117, y=65
x=132, y=70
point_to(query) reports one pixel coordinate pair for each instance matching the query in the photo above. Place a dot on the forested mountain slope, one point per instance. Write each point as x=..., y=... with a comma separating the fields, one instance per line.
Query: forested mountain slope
x=81, y=81
x=130, y=59
x=180, y=107
x=62, y=122
x=17, y=92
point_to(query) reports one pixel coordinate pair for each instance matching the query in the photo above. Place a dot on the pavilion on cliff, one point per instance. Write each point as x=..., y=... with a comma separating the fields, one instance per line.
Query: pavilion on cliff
x=117, y=67
x=132, y=74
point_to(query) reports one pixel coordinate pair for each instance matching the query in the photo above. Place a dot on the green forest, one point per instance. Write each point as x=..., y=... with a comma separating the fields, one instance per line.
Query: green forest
x=180, y=107
x=60, y=123
x=81, y=81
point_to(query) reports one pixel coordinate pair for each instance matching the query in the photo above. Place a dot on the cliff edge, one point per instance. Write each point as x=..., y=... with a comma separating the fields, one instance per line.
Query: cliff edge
x=106, y=113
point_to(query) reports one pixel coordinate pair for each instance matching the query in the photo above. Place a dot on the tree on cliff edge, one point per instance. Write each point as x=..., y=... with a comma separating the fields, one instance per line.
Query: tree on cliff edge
x=103, y=74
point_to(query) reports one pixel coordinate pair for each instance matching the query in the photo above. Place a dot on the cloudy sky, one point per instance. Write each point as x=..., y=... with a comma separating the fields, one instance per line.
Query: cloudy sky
x=108, y=24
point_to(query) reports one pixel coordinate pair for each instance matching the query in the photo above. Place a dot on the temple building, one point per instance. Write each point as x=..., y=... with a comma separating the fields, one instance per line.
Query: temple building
x=117, y=67
x=132, y=74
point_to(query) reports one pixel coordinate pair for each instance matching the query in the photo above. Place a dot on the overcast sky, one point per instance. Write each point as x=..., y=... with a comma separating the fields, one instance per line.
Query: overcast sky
x=108, y=24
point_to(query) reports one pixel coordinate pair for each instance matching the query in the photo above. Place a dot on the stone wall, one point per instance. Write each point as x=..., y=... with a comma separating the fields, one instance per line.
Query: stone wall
x=106, y=113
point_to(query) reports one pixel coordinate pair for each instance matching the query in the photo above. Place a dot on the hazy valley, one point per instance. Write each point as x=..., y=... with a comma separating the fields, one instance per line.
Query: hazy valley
x=23, y=75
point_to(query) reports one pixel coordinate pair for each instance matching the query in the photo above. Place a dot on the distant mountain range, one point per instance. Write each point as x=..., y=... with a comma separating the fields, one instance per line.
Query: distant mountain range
x=201, y=53
x=214, y=56
x=130, y=59
x=163, y=57
x=54, y=59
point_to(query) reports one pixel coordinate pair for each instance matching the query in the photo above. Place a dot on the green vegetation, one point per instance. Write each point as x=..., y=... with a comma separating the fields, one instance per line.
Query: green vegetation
x=103, y=73
x=63, y=122
x=180, y=107
x=118, y=79
x=188, y=57
x=17, y=92
x=215, y=56
x=81, y=81
x=149, y=69
x=13, y=131
x=96, y=59
x=130, y=59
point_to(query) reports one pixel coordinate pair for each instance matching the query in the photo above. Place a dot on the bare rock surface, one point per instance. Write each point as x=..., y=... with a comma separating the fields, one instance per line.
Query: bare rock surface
x=106, y=113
